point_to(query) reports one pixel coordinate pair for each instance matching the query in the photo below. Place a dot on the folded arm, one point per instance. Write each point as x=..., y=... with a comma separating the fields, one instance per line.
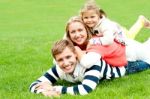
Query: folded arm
x=89, y=83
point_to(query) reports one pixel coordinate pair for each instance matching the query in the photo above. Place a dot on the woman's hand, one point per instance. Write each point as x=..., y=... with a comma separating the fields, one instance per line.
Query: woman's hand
x=79, y=52
x=88, y=45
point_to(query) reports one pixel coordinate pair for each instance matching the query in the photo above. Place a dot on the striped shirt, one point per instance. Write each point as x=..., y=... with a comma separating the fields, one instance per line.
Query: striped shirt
x=88, y=78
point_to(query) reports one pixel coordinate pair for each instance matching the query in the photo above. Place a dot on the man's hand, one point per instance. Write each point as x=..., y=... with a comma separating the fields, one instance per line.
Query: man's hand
x=47, y=89
x=43, y=86
x=51, y=93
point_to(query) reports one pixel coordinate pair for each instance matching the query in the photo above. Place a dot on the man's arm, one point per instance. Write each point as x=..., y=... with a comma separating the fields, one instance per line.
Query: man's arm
x=89, y=83
x=51, y=76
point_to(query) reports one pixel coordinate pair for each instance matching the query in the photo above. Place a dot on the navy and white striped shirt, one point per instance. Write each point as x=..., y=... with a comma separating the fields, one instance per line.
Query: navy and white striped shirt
x=89, y=78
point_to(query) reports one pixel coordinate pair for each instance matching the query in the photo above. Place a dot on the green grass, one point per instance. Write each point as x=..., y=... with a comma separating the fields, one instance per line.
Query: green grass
x=28, y=28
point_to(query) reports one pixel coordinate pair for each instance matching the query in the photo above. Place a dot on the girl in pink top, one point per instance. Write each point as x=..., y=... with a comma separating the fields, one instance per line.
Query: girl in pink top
x=109, y=38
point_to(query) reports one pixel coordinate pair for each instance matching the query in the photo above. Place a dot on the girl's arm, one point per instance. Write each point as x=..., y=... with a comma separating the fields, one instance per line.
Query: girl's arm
x=109, y=29
x=106, y=39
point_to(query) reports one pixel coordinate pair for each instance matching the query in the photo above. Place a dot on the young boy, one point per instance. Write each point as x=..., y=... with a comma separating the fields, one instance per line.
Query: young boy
x=68, y=68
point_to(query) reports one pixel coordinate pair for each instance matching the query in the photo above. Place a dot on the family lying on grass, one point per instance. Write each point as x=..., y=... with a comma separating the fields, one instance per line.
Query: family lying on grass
x=94, y=48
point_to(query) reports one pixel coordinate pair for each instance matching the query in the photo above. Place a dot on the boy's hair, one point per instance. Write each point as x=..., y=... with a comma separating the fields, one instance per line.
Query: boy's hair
x=60, y=45
x=91, y=5
x=76, y=19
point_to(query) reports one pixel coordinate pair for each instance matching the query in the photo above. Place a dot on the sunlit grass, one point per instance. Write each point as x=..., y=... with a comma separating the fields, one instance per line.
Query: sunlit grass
x=28, y=28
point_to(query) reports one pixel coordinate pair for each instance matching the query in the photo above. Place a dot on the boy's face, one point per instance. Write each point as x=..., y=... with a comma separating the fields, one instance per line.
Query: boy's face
x=90, y=18
x=67, y=60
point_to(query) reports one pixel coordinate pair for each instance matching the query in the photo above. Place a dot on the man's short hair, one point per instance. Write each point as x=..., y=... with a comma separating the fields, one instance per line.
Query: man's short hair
x=60, y=45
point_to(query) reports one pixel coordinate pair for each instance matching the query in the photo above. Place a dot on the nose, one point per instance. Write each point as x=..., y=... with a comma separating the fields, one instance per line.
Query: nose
x=66, y=62
x=89, y=19
x=77, y=34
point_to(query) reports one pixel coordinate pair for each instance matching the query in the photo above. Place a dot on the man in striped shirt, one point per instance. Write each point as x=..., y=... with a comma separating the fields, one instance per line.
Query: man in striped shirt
x=68, y=68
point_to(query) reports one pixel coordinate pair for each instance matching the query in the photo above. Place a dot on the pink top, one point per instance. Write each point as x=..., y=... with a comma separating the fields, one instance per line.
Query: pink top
x=113, y=54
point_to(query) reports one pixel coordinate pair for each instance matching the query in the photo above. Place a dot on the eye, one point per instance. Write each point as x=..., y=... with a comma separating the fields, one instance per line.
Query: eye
x=92, y=16
x=85, y=17
x=60, y=60
x=72, y=32
x=68, y=57
x=80, y=30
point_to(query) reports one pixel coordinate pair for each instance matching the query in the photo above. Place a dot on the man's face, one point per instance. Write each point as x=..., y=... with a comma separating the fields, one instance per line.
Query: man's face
x=67, y=60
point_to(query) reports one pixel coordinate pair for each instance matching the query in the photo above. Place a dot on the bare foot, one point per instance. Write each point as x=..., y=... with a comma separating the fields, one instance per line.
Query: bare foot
x=145, y=21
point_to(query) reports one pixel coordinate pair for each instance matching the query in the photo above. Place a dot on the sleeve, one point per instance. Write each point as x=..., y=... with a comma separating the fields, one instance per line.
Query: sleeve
x=108, y=38
x=50, y=76
x=89, y=59
x=108, y=29
x=89, y=83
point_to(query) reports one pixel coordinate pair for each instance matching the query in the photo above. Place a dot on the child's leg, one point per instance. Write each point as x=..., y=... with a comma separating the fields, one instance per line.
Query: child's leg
x=133, y=31
x=137, y=51
x=147, y=43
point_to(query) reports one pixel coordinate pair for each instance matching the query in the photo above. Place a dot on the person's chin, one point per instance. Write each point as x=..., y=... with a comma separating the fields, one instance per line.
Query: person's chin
x=68, y=70
x=80, y=43
x=90, y=26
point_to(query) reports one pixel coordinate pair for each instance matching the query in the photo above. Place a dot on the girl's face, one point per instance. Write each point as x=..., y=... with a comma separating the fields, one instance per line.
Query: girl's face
x=90, y=18
x=77, y=33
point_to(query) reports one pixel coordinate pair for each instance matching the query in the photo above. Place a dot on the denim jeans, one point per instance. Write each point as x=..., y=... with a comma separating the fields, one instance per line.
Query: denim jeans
x=136, y=66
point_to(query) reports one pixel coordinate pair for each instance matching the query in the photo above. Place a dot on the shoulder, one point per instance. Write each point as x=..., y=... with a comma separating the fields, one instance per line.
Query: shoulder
x=93, y=73
x=107, y=22
x=55, y=70
x=95, y=67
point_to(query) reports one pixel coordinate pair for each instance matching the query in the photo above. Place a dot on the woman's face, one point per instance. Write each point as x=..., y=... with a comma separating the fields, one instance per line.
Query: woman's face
x=78, y=33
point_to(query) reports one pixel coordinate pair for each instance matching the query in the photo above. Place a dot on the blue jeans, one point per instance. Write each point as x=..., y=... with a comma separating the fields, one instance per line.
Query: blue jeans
x=136, y=66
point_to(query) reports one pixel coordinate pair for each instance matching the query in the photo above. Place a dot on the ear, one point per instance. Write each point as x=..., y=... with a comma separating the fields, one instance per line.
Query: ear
x=76, y=55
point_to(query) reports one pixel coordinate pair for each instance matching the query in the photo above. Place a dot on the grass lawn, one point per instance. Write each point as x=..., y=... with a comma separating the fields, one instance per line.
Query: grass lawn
x=29, y=27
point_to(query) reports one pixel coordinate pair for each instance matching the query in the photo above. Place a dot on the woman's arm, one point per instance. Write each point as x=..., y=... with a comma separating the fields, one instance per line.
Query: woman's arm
x=87, y=59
